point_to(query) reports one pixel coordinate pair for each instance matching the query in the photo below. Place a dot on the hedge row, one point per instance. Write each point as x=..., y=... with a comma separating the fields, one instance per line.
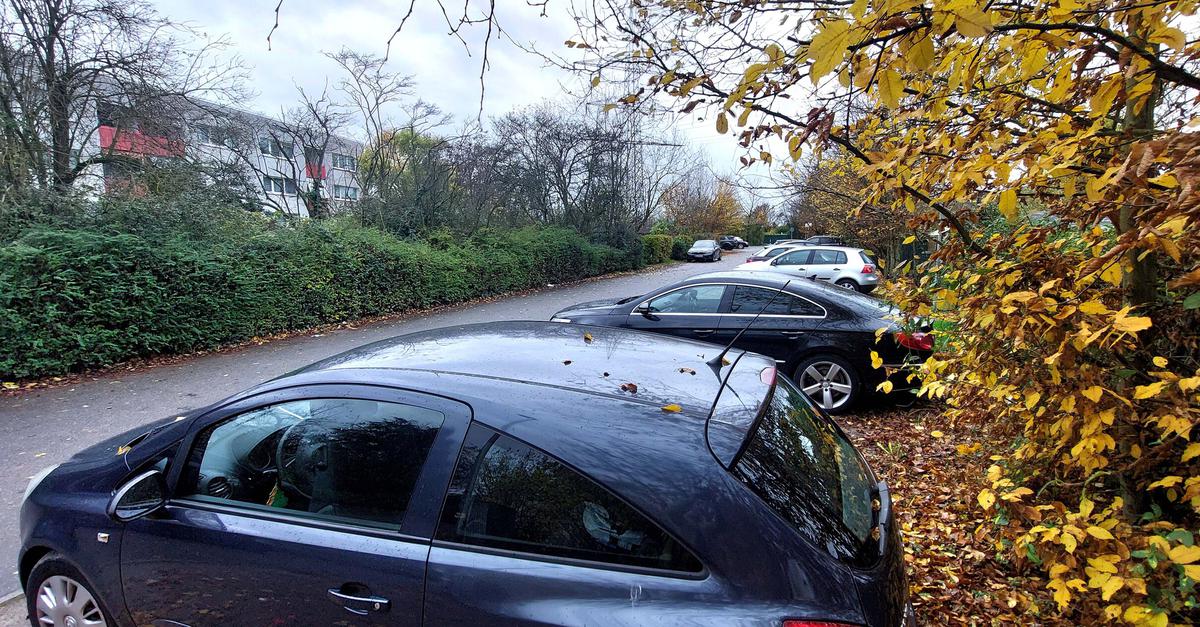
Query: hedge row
x=656, y=248
x=75, y=299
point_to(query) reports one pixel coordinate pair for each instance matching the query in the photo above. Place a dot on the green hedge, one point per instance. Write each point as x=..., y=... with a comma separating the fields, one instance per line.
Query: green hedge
x=656, y=248
x=75, y=299
x=679, y=247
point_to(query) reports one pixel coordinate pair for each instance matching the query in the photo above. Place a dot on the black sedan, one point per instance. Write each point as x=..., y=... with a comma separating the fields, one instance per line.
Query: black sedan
x=522, y=473
x=821, y=335
x=704, y=250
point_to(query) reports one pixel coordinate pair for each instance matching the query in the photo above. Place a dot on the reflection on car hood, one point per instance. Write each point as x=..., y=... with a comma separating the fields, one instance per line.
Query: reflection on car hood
x=592, y=306
x=754, y=265
x=701, y=250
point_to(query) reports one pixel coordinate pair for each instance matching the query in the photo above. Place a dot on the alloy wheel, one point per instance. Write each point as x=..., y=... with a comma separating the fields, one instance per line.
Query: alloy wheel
x=827, y=384
x=64, y=602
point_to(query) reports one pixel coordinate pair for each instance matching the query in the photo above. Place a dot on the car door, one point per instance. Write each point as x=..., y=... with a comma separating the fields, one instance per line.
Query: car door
x=785, y=326
x=692, y=311
x=794, y=263
x=310, y=505
x=525, y=539
x=826, y=264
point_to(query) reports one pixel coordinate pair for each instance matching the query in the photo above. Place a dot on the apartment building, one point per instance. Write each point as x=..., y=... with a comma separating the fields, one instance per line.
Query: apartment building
x=282, y=163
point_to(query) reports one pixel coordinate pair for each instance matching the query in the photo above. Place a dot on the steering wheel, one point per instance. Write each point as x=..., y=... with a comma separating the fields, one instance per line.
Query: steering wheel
x=296, y=461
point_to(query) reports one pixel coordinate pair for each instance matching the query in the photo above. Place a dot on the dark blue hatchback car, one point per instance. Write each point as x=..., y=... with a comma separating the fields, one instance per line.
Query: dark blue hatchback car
x=501, y=474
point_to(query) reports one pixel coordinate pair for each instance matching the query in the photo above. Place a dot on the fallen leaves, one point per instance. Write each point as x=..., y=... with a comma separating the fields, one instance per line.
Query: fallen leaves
x=672, y=408
x=632, y=388
x=687, y=371
x=587, y=337
x=936, y=494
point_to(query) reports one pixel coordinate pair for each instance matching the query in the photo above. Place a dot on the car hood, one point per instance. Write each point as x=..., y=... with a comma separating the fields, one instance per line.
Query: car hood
x=591, y=307
x=755, y=265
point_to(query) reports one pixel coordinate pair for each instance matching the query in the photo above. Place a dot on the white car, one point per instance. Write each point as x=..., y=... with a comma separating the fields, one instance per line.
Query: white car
x=850, y=268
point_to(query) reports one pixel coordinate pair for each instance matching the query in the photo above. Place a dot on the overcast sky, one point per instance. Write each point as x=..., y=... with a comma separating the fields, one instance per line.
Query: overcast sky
x=446, y=74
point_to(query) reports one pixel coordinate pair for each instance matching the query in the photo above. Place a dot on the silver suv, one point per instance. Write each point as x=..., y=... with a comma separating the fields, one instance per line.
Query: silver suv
x=850, y=268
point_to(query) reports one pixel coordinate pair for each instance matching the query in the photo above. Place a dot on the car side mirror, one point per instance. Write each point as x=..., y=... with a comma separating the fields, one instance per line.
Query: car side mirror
x=644, y=309
x=140, y=496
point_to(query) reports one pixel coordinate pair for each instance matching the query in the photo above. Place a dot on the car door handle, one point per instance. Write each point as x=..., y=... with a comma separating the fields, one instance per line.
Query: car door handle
x=360, y=605
x=792, y=333
x=704, y=332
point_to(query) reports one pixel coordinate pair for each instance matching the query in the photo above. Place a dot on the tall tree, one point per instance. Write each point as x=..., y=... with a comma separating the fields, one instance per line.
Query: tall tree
x=65, y=64
x=1051, y=141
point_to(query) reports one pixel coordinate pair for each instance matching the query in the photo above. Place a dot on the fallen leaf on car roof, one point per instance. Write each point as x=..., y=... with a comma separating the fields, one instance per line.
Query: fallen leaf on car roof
x=687, y=371
x=121, y=450
x=587, y=337
x=566, y=362
x=673, y=408
x=629, y=387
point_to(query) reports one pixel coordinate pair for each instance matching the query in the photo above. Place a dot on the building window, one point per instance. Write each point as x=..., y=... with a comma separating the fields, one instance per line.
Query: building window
x=279, y=185
x=275, y=148
x=344, y=162
x=345, y=192
x=214, y=136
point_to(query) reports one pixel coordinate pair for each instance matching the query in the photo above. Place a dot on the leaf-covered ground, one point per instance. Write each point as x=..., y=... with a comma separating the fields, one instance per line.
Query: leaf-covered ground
x=935, y=471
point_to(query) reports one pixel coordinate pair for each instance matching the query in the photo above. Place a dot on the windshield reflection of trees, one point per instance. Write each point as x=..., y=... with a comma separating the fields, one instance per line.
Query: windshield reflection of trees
x=808, y=474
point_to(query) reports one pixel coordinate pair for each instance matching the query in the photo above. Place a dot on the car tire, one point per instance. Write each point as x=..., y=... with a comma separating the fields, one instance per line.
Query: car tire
x=830, y=382
x=53, y=583
x=849, y=284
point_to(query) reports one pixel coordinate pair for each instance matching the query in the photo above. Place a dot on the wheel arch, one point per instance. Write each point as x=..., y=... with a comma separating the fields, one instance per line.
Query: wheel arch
x=28, y=559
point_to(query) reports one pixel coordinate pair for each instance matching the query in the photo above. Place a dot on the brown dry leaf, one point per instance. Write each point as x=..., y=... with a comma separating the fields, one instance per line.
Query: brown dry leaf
x=629, y=387
x=687, y=371
x=566, y=362
x=587, y=337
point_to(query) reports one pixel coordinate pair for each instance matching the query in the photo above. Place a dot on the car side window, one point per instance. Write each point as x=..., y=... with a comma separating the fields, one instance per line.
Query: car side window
x=334, y=458
x=828, y=257
x=751, y=300
x=695, y=299
x=508, y=495
x=794, y=258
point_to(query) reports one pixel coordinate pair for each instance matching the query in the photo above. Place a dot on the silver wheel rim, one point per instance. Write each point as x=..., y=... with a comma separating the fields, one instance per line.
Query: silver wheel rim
x=846, y=284
x=64, y=602
x=827, y=384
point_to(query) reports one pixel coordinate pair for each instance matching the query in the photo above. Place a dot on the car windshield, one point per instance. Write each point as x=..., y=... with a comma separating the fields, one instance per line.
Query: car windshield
x=704, y=243
x=803, y=467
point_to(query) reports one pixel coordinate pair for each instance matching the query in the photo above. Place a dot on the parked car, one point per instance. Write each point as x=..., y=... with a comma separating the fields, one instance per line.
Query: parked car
x=509, y=473
x=822, y=336
x=850, y=268
x=730, y=242
x=704, y=250
x=770, y=252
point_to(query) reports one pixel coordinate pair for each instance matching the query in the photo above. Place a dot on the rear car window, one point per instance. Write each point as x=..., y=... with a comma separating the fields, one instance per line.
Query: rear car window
x=807, y=472
x=508, y=495
x=751, y=300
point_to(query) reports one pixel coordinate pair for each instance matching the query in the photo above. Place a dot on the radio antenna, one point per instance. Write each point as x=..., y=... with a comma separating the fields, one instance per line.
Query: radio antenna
x=716, y=362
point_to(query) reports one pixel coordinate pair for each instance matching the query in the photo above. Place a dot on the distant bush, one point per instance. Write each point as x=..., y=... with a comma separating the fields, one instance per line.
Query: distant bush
x=679, y=247
x=82, y=297
x=656, y=248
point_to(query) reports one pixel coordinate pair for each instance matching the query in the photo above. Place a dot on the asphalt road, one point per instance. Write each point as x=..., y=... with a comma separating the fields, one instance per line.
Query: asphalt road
x=47, y=426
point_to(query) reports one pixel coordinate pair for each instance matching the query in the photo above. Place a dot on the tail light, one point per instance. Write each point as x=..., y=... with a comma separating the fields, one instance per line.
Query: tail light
x=814, y=623
x=868, y=269
x=916, y=341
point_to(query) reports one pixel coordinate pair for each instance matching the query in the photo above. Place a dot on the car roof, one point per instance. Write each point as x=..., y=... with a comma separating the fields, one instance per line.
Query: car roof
x=826, y=247
x=557, y=358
